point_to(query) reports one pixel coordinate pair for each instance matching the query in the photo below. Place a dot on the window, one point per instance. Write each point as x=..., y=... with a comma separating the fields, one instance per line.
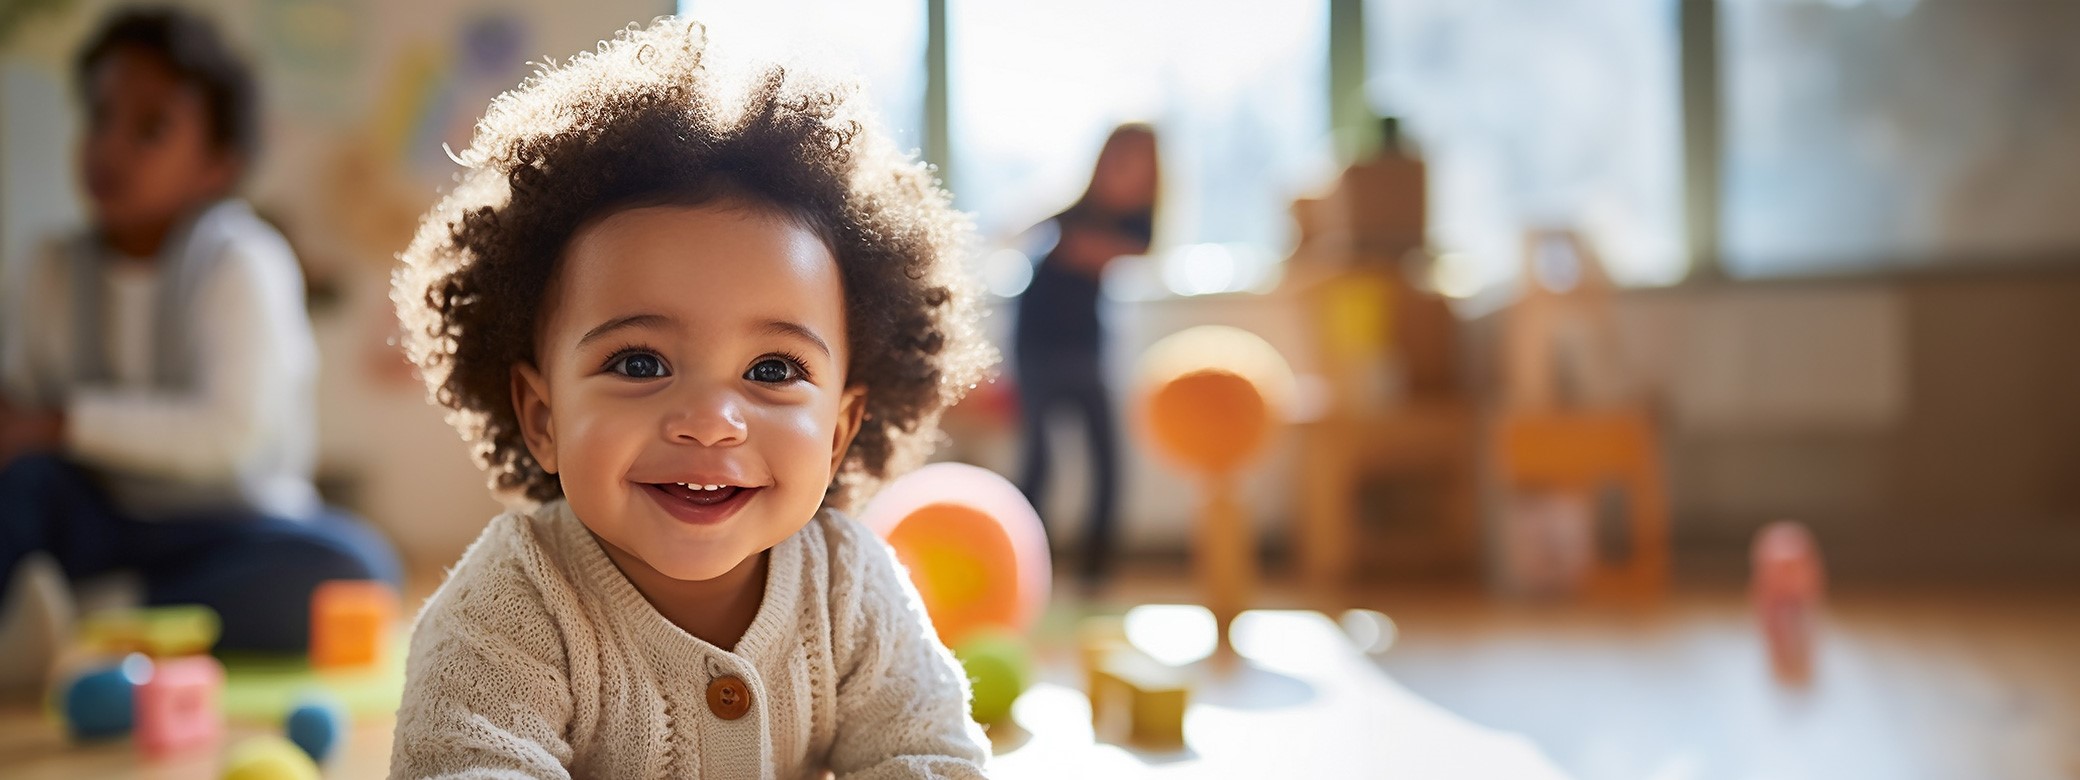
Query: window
x=882, y=41
x=1235, y=88
x=1539, y=113
x=1867, y=134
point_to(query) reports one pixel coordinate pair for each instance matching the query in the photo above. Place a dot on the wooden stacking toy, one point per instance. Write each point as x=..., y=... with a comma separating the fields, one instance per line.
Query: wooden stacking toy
x=1212, y=397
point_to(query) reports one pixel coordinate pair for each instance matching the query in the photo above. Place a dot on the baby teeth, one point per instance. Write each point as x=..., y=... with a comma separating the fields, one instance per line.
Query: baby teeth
x=699, y=487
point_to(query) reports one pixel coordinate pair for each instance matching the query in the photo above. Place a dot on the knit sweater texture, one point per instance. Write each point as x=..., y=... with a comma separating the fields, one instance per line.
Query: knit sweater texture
x=539, y=659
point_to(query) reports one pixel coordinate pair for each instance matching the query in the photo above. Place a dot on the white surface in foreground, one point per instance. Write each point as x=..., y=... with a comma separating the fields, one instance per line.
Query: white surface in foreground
x=1307, y=704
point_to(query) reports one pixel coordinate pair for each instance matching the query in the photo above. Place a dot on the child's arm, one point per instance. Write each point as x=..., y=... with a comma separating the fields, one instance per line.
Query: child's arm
x=902, y=698
x=487, y=691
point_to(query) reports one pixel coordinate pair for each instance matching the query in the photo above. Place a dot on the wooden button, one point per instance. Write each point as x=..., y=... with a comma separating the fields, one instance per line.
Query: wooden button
x=728, y=697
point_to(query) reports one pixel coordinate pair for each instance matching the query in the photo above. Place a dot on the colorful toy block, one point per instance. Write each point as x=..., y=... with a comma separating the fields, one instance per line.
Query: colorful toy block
x=160, y=632
x=1096, y=637
x=350, y=623
x=177, y=708
x=1138, y=700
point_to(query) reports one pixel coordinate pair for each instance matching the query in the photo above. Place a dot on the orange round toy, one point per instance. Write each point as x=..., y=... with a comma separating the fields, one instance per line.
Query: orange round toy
x=974, y=547
x=1212, y=395
x=1181, y=415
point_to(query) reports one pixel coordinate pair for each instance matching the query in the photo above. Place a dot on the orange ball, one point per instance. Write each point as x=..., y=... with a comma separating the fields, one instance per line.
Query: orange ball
x=974, y=547
x=1211, y=420
x=1212, y=396
x=951, y=551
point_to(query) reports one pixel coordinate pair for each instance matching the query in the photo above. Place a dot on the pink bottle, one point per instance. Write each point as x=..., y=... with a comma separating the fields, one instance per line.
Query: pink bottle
x=1787, y=583
x=177, y=708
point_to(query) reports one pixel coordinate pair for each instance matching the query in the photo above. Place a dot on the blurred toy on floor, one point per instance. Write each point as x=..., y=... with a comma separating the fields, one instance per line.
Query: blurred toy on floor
x=1788, y=586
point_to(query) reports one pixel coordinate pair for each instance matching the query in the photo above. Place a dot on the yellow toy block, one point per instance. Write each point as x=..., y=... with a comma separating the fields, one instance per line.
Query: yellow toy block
x=1138, y=700
x=1097, y=637
x=159, y=632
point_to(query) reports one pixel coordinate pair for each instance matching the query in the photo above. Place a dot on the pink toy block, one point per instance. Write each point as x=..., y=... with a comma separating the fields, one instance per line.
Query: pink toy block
x=177, y=708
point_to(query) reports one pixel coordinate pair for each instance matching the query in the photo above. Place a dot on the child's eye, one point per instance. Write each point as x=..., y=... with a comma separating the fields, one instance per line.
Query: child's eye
x=638, y=365
x=773, y=371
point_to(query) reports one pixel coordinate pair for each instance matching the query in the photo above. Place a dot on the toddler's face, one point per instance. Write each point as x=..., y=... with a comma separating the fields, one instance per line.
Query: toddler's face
x=684, y=347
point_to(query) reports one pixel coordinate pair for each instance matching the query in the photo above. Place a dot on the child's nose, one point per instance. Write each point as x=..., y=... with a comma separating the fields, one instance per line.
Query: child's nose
x=712, y=420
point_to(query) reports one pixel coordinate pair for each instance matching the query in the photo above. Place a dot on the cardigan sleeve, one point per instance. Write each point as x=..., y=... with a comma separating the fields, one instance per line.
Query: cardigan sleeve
x=902, y=709
x=487, y=691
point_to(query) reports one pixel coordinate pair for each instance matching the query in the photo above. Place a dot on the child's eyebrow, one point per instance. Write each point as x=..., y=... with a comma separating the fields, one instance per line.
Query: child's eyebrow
x=786, y=328
x=630, y=321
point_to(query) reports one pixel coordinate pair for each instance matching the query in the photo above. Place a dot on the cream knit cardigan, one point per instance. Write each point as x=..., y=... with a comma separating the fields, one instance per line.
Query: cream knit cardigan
x=538, y=658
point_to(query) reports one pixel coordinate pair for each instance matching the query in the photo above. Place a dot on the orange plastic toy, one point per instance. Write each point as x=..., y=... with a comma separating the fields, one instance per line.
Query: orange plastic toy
x=350, y=623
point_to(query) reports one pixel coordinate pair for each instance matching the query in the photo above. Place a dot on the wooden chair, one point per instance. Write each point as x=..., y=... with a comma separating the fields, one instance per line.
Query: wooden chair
x=1572, y=422
x=1583, y=453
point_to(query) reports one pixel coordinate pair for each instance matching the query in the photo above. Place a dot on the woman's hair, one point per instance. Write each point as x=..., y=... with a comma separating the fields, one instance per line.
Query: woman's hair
x=190, y=46
x=1131, y=132
x=654, y=117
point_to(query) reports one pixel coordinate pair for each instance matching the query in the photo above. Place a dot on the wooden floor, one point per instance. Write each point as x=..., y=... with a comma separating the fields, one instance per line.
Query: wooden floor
x=1911, y=685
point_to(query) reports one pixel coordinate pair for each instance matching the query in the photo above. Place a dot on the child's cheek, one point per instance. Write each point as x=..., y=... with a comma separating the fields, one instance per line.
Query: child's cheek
x=801, y=444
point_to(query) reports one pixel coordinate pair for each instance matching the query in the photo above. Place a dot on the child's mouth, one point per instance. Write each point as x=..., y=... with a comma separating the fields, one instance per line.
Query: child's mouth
x=698, y=505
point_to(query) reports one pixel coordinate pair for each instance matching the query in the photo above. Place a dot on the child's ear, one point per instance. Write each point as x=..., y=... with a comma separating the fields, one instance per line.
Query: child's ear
x=531, y=406
x=852, y=408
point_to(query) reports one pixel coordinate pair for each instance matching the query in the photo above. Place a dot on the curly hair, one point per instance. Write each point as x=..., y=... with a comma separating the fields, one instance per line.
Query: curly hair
x=655, y=116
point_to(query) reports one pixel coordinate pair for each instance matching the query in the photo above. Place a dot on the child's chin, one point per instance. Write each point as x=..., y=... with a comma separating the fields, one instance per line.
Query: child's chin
x=695, y=569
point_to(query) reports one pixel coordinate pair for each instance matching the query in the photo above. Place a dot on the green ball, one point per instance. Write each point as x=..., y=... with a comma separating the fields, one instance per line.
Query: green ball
x=269, y=758
x=999, y=669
